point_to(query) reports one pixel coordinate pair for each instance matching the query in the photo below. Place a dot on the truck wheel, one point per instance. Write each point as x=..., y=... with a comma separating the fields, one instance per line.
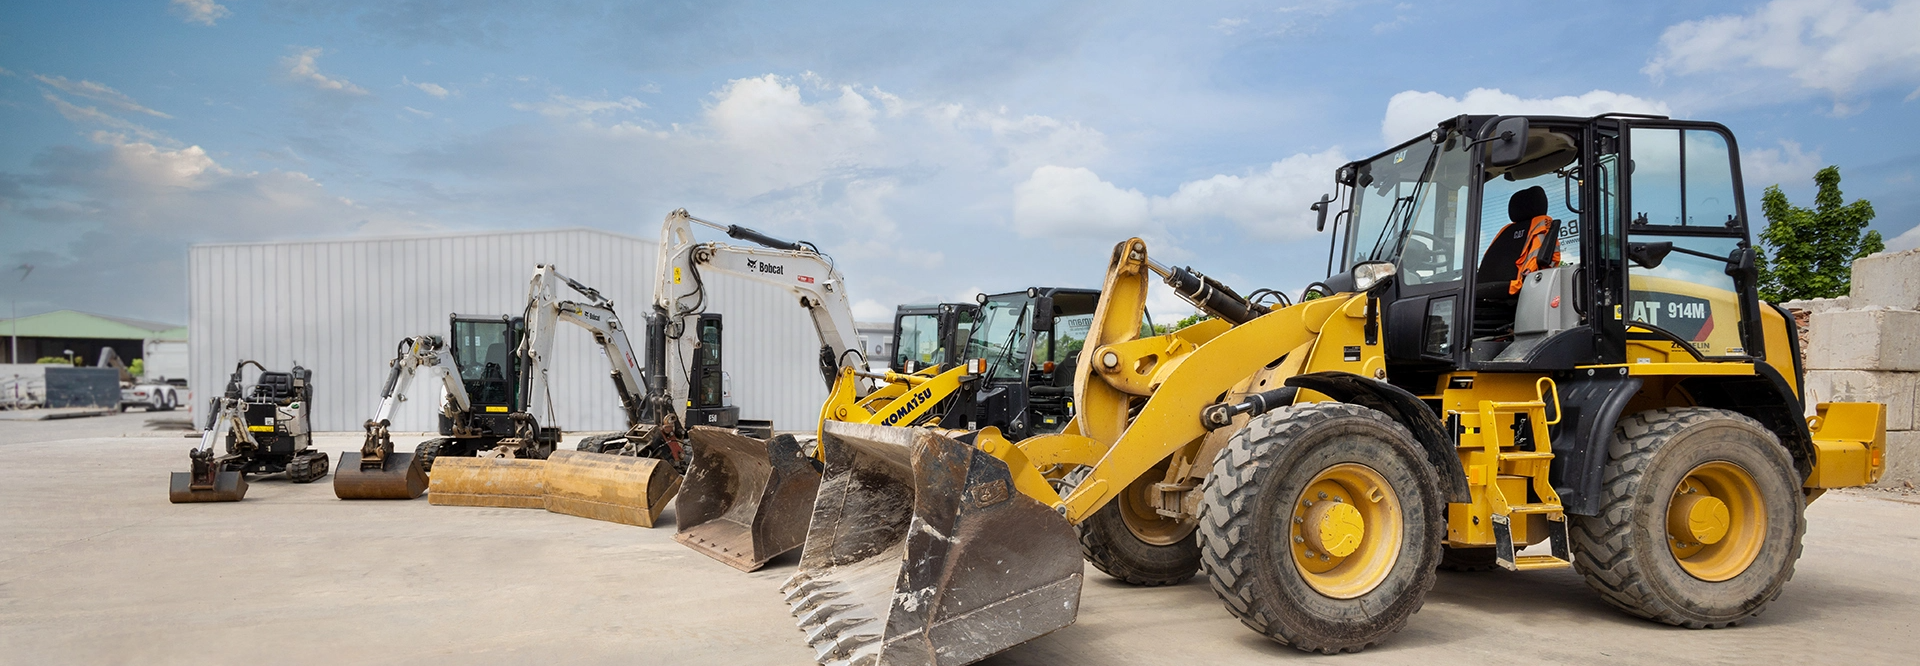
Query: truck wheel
x=172, y=402
x=1468, y=559
x=1701, y=518
x=1129, y=541
x=1322, y=526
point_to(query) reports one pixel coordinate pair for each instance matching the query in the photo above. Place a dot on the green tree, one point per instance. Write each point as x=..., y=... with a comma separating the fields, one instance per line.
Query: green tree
x=1190, y=320
x=1809, y=252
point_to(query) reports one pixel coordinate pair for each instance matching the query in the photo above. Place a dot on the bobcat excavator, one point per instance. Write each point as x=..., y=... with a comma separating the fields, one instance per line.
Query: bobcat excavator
x=1535, y=331
x=265, y=429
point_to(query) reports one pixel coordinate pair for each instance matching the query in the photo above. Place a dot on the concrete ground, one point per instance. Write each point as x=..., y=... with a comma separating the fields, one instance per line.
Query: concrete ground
x=97, y=567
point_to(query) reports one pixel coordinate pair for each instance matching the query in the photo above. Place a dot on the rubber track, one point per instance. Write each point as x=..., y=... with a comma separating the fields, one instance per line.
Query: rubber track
x=1602, y=544
x=1226, y=548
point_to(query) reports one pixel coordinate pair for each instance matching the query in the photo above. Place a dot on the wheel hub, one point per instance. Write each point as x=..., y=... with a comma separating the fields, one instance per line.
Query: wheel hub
x=1345, y=531
x=1337, y=528
x=1716, y=521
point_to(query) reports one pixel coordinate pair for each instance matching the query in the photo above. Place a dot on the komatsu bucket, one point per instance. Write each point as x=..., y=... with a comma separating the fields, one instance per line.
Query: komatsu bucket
x=922, y=552
x=746, y=500
x=603, y=486
x=487, y=481
x=398, y=476
x=224, y=486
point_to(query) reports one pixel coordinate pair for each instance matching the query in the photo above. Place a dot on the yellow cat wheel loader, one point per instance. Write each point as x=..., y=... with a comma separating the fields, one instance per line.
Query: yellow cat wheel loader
x=1539, y=346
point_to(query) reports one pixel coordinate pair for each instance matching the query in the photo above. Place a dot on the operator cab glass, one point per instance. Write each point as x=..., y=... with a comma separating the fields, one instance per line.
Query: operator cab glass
x=919, y=344
x=484, y=350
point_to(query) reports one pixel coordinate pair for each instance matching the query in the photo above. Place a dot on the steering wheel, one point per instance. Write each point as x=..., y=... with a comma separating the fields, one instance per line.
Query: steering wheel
x=1429, y=258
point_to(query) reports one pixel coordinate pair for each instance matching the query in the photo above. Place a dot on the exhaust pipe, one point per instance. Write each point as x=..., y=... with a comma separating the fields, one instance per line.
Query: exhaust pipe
x=922, y=552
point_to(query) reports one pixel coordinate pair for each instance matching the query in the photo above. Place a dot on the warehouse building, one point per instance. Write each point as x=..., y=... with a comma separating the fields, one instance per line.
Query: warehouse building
x=340, y=308
x=80, y=335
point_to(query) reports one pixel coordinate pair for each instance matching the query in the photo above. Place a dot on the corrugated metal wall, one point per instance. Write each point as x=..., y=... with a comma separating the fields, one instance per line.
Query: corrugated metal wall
x=340, y=307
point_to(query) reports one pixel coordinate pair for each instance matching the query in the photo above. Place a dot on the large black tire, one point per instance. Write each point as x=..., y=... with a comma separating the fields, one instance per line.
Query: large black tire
x=1624, y=551
x=1468, y=559
x=308, y=466
x=1264, y=473
x=427, y=451
x=1114, y=549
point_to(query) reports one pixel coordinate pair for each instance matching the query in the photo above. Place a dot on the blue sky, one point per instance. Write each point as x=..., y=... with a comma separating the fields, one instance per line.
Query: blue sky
x=932, y=150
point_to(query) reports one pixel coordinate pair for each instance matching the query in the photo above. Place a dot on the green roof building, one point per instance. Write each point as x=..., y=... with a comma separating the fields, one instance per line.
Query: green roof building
x=81, y=335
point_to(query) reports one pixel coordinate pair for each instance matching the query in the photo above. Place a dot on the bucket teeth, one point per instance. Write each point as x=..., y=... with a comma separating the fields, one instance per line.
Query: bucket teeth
x=800, y=591
x=821, y=615
x=814, y=600
x=795, y=581
x=856, y=649
x=830, y=633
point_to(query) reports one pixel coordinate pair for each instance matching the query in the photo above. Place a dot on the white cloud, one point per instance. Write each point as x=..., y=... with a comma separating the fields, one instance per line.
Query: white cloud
x=304, y=68
x=867, y=309
x=1412, y=113
x=1788, y=166
x=204, y=12
x=110, y=223
x=1907, y=240
x=97, y=92
x=417, y=112
x=562, y=106
x=436, y=90
x=1229, y=25
x=1271, y=203
x=1075, y=202
x=89, y=114
x=1836, y=46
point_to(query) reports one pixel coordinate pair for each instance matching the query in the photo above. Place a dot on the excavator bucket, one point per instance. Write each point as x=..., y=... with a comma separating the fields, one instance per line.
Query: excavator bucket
x=399, y=476
x=602, y=486
x=746, y=501
x=505, y=482
x=225, y=486
x=922, y=552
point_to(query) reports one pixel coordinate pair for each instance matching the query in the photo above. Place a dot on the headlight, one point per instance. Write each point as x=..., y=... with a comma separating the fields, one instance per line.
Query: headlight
x=1370, y=274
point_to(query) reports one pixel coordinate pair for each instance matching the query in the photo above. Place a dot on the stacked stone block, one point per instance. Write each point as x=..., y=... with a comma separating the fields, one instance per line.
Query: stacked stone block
x=1865, y=347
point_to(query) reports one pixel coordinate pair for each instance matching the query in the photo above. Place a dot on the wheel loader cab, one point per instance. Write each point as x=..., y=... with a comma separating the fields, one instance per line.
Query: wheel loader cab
x=930, y=336
x=1030, y=341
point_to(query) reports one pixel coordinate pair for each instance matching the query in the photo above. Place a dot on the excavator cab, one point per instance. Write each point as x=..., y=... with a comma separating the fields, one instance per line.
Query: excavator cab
x=1030, y=341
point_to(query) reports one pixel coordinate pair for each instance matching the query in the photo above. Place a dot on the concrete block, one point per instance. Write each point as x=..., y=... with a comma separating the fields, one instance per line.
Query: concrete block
x=1865, y=340
x=1888, y=280
x=1820, y=304
x=1893, y=389
x=1903, y=461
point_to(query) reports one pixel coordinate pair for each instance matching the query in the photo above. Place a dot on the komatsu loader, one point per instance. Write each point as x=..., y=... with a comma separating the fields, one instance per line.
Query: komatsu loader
x=1539, y=345
x=265, y=429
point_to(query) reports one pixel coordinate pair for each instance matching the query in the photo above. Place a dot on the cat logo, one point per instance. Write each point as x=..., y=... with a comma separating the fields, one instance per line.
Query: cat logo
x=919, y=398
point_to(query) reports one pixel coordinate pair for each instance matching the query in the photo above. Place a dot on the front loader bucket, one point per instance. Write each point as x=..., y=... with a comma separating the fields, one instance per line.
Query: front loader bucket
x=400, y=477
x=506, y=482
x=227, y=486
x=922, y=552
x=602, y=486
x=745, y=501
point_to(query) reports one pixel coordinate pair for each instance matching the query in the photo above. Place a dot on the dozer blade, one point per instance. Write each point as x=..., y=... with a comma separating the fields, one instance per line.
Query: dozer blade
x=505, y=482
x=922, y=552
x=228, y=486
x=603, y=486
x=400, y=477
x=745, y=501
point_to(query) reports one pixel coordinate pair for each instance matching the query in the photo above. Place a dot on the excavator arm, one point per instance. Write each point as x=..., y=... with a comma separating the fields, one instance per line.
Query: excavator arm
x=545, y=310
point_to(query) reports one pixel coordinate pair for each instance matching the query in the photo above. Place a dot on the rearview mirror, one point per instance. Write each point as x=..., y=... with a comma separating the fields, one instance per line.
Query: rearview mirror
x=1320, y=207
x=1506, y=141
x=1649, y=255
x=1043, y=314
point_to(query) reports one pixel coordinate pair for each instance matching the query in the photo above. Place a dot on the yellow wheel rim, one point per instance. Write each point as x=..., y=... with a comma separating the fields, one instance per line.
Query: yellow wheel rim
x=1344, y=531
x=1146, y=523
x=1716, y=521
